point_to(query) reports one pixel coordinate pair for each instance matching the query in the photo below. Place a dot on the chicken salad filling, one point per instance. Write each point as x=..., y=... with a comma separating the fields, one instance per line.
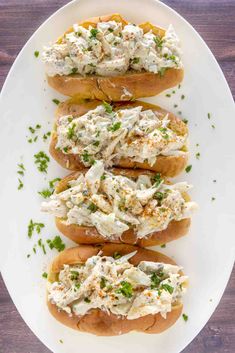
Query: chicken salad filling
x=114, y=285
x=111, y=49
x=108, y=134
x=115, y=203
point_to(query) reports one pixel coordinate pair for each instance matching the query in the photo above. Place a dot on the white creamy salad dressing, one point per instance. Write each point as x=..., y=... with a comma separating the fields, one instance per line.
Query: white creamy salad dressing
x=110, y=50
x=116, y=286
x=134, y=133
x=115, y=203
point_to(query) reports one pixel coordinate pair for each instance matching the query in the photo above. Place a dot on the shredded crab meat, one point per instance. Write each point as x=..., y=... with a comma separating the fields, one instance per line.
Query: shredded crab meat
x=115, y=203
x=115, y=285
x=135, y=134
x=110, y=50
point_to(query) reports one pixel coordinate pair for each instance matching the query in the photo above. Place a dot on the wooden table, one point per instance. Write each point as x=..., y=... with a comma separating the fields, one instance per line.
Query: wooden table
x=215, y=21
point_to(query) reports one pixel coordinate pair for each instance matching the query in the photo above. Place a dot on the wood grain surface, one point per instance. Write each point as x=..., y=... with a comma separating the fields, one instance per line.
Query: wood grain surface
x=215, y=21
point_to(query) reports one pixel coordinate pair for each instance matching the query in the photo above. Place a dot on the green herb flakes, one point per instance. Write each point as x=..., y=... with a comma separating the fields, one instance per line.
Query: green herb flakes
x=116, y=126
x=188, y=168
x=108, y=108
x=125, y=289
x=44, y=275
x=34, y=226
x=94, y=33
x=185, y=317
x=36, y=53
x=56, y=243
x=41, y=161
x=56, y=101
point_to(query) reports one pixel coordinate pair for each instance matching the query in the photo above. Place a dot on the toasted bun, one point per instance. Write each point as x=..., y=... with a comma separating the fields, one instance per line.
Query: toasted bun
x=90, y=235
x=167, y=165
x=97, y=321
x=113, y=88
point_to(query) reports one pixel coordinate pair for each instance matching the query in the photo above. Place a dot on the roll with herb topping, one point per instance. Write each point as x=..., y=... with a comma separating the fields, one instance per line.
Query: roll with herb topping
x=127, y=135
x=120, y=206
x=107, y=58
x=113, y=289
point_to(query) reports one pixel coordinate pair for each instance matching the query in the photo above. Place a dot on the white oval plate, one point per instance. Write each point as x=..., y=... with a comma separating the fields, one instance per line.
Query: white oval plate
x=206, y=253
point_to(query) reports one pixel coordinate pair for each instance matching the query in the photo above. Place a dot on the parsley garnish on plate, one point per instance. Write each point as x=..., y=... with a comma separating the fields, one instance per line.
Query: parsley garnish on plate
x=185, y=317
x=34, y=226
x=188, y=168
x=56, y=243
x=36, y=53
x=56, y=101
x=44, y=275
x=41, y=160
x=157, y=179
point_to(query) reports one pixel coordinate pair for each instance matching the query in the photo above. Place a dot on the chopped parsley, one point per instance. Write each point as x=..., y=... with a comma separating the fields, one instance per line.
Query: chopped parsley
x=103, y=177
x=115, y=126
x=103, y=282
x=36, y=53
x=87, y=300
x=156, y=280
x=56, y=101
x=188, y=168
x=56, y=243
x=34, y=226
x=21, y=169
x=74, y=275
x=159, y=196
x=168, y=95
x=213, y=126
x=45, y=193
x=213, y=198
x=116, y=255
x=20, y=185
x=74, y=70
x=71, y=132
x=46, y=135
x=163, y=246
x=125, y=289
x=167, y=288
x=61, y=341
x=110, y=30
x=164, y=132
x=183, y=96
x=179, y=86
x=108, y=108
x=185, y=121
x=96, y=143
x=44, y=275
x=198, y=155
x=94, y=33
x=157, y=179
x=135, y=60
x=175, y=105
x=53, y=182
x=92, y=207
x=158, y=40
x=41, y=160
x=208, y=115
x=185, y=317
